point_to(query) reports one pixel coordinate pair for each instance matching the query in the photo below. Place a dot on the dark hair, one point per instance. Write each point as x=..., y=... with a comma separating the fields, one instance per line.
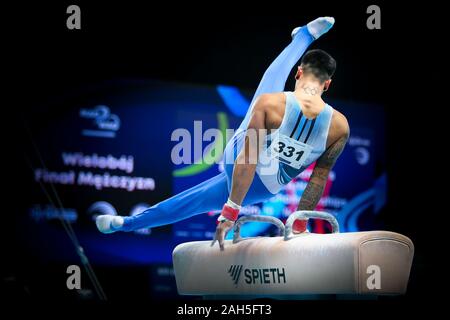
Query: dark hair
x=318, y=63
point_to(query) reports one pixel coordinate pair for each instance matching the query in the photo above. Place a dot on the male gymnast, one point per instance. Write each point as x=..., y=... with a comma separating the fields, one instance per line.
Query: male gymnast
x=303, y=129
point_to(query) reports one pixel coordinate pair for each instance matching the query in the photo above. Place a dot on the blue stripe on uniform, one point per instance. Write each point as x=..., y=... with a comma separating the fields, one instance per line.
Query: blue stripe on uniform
x=310, y=130
x=296, y=123
x=304, y=129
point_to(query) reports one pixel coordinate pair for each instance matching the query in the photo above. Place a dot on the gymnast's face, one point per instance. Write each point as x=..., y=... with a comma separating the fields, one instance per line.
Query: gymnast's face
x=300, y=75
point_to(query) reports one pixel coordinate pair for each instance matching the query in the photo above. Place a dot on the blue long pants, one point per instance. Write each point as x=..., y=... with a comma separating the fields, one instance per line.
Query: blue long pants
x=213, y=193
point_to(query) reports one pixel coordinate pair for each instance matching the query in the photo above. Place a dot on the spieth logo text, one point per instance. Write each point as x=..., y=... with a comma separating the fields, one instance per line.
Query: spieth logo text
x=257, y=275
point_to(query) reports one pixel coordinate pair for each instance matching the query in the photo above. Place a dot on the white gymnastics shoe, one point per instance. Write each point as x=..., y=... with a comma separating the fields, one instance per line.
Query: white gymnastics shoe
x=317, y=27
x=109, y=223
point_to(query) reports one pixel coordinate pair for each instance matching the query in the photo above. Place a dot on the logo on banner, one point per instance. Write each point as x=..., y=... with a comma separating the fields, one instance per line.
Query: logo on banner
x=106, y=123
x=362, y=155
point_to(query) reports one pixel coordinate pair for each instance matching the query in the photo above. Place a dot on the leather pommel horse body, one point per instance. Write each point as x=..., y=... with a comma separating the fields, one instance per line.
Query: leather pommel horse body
x=355, y=263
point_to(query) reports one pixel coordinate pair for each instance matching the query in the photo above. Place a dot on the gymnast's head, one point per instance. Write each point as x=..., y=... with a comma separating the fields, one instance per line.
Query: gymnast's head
x=316, y=67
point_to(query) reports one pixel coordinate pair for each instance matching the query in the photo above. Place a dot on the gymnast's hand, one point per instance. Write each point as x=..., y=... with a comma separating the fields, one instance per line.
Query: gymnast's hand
x=221, y=231
x=226, y=221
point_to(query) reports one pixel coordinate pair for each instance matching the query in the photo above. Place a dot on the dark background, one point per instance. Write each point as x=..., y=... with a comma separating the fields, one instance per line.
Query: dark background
x=397, y=66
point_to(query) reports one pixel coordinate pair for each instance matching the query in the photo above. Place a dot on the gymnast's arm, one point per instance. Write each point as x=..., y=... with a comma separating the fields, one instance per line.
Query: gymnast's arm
x=244, y=169
x=245, y=163
x=314, y=190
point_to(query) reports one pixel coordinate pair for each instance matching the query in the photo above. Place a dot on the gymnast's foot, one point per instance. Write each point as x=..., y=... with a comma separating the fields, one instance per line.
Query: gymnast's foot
x=109, y=223
x=317, y=27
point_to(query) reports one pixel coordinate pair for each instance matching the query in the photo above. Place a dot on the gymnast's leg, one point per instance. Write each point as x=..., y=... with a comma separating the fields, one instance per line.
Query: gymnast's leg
x=274, y=78
x=206, y=196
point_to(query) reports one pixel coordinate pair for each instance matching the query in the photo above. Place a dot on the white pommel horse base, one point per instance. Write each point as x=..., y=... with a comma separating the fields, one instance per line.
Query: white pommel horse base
x=292, y=266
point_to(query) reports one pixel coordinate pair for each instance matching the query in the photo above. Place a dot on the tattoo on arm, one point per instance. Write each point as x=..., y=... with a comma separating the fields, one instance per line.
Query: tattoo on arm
x=318, y=180
x=329, y=157
x=311, y=195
